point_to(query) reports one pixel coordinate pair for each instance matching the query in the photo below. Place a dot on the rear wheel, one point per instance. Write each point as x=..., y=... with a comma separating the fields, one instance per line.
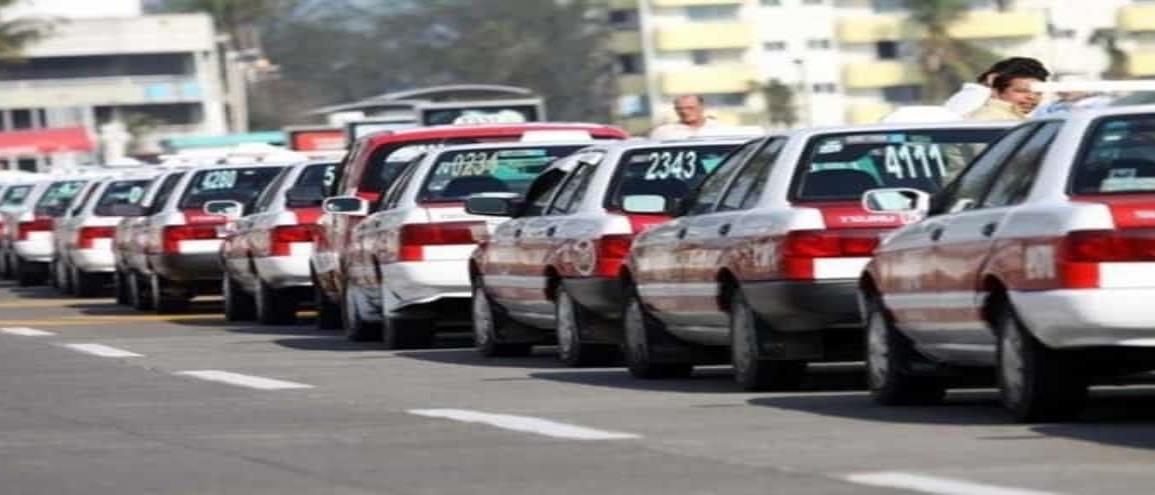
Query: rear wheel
x=60, y=277
x=571, y=318
x=239, y=306
x=356, y=328
x=120, y=287
x=29, y=274
x=275, y=307
x=486, y=322
x=328, y=312
x=5, y=266
x=140, y=296
x=751, y=372
x=1036, y=383
x=890, y=357
x=86, y=284
x=641, y=329
x=167, y=297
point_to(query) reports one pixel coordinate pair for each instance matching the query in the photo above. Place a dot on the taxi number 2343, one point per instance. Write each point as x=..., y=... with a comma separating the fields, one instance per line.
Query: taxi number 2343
x=672, y=165
x=914, y=161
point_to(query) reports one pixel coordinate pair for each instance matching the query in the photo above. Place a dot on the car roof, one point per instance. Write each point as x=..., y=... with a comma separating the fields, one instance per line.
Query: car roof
x=510, y=145
x=899, y=126
x=1085, y=115
x=489, y=130
x=623, y=146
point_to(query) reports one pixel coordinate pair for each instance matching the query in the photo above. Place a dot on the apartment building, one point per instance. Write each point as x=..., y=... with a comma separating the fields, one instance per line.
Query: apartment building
x=846, y=61
x=105, y=82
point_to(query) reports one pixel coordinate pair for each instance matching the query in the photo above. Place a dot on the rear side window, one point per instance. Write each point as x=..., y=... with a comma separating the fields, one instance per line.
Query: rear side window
x=667, y=171
x=164, y=192
x=321, y=175
x=389, y=161
x=458, y=174
x=840, y=167
x=57, y=197
x=15, y=196
x=227, y=184
x=118, y=193
x=1118, y=157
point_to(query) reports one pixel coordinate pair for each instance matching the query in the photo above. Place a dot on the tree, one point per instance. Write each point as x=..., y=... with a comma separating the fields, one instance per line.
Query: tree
x=237, y=18
x=15, y=34
x=1117, y=59
x=780, y=105
x=945, y=62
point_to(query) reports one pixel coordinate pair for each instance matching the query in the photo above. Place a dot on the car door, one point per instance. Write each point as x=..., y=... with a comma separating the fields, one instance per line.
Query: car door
x=661, y=254
x=967, y=240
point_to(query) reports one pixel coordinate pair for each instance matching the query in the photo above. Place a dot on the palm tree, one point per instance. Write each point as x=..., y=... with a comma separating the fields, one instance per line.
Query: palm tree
x=779, y=99
x=15, y=34
x=945, y=62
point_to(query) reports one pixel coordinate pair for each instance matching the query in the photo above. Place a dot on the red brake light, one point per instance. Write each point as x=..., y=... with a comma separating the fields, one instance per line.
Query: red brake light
x=800, y=247
x=611, y=251
x=174, y=234
x=86, y=237
x=23, y=229
x=416, y=236
x=283, y=237
x=1081, y=252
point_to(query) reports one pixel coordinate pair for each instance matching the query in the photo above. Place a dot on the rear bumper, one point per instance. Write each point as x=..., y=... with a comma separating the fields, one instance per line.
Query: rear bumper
x=603, y=296
x=38, y=249
x=284, y=271
x=93, y=260
x=1089, y=318
x=796, y=306
x=200, y=267
x=422, y=282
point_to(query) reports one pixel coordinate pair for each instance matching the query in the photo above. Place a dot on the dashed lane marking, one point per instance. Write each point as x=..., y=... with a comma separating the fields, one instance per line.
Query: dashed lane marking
x=935, y=485
x=26, y=332
x=525, y=424
x=102, y=350
x=249, y=381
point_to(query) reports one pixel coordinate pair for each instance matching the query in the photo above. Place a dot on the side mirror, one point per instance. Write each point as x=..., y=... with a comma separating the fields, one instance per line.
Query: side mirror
x=304, y=197
x=896, y=200
x=346, y=205
x=127, y=210
x=646, y=204
x=493, y=205
x=229, y=209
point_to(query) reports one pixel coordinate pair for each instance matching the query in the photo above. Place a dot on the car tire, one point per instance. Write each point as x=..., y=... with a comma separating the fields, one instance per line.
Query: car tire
x=890, y=357
x=86, y=284
x=120, y=288
x=487, y=320
x=239, y=305
x=163, y=300
x=356, y=328
x=140, y=296
x=751, y=373
x=274, y=306
x=640, y=330
x=328, y=312
x=28, y=274
x=5, y=267
x=58, y=277
x=571, y=317
x=1036, y=383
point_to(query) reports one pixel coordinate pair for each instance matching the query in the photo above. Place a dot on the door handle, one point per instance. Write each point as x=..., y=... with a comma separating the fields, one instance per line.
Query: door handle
x=550, y=231
x=989, y=229
x=936, y=234
x=724, y=230
x=682, y=234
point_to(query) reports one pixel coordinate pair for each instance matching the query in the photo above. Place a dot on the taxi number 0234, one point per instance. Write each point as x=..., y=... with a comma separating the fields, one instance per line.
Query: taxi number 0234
x=912, y=161
x=672, y=165
x=473, y=163
x=219, y=179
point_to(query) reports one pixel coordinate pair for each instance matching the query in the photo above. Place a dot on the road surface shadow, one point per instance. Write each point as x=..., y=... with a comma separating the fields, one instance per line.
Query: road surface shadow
x=36, y=292
x=542, y=358
x=314, y=339
x=708, y=379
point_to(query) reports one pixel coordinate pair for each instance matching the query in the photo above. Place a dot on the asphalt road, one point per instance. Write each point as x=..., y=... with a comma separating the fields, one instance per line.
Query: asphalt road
x=190, y=404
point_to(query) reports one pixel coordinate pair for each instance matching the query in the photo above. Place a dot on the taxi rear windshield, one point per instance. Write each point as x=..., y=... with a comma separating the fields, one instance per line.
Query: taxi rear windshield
x=841, y=167
x=227, y=184
x=672, y=172
x=119, y=193
x=318, y=175
x=57, y=197
x=460, y=174
x=15, y=196
x=390, y=161
x=1118, y=158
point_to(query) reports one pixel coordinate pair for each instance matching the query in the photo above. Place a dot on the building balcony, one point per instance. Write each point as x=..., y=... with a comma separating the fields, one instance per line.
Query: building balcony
x=128, y=90
x=976, y=25
x=625, y=42
x=631, y=84
x=707, y=80
x=1136, y=18
x=867, y=113
x=705, y=36
x=875, y=75
x=1141, y=64
x=683, y=3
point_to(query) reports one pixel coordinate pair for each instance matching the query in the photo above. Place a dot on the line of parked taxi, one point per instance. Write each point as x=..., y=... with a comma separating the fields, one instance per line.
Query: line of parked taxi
x=942, y=254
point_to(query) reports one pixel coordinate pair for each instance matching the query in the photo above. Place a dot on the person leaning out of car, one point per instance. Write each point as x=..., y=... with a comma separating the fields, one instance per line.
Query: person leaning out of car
x=1013, y=97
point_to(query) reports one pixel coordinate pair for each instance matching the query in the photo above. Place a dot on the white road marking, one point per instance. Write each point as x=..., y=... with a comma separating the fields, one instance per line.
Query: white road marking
x=250, y=381
x=102, y=350
x=26, y=332
x=935, y=485
x=526, y=424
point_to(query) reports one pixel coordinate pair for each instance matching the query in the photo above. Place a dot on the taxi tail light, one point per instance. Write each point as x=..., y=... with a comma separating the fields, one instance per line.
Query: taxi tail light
x=23, y=229
x=800, y=248
x=1082, y=251
x=282, y=238
x=175, y=234
x=612, y=250
x=415, y=237
x=86, y=237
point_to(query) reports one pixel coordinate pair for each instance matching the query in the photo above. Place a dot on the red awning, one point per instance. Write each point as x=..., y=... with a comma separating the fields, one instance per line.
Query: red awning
x=45, y=141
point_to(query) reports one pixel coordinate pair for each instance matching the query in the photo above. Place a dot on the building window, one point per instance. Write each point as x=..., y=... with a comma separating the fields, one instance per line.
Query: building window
x=771, y=3
x=819, y=44
x=774, y=46
x=712, y=12
x=725, y=99
x=887, y=50
x=902, y=94
x=630, y=63
x=825, y=88
x=624, y=19
x=707, y=57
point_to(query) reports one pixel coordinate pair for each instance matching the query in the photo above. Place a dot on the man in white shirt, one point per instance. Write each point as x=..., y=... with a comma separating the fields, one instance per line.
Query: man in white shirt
x=692, y=119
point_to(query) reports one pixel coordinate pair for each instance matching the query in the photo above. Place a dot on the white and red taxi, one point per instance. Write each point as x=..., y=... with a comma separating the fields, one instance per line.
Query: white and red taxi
x=30, y=244
x=1038, y=260
x=408, y=261
x=130, y=240
x=761, y=267
x=556, y=263
x=266, y=254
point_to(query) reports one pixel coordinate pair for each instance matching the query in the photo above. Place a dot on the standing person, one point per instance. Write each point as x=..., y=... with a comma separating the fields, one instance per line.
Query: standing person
x=692, y=119
x=1014, y=97
x=974, y=95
